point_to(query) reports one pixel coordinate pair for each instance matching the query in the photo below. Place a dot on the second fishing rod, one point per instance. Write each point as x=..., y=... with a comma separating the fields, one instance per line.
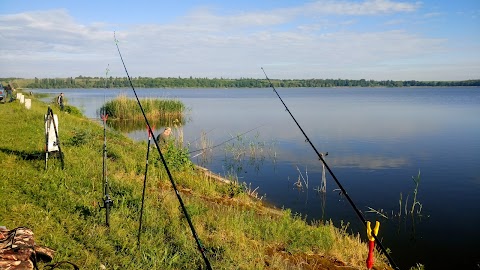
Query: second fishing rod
x=170, y=177
x=107, y=200
x=344, y=192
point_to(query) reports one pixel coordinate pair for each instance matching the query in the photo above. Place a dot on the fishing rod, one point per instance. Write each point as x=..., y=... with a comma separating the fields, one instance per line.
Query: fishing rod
x=321, y=158
x=170, y=177
x=224, y=142
x=107, y=201
x=150, y=135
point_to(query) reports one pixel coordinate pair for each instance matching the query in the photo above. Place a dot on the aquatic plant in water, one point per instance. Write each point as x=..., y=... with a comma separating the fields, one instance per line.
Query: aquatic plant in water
x=244, y=151
x=412, y=211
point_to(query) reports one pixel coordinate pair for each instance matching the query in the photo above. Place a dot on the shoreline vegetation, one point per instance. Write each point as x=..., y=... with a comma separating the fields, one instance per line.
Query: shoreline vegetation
x=61, y=206
x=164, y=111
x=147, y=82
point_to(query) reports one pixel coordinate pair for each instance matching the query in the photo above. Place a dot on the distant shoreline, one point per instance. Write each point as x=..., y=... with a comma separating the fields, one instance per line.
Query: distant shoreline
x=253, y=88
x=218, y=83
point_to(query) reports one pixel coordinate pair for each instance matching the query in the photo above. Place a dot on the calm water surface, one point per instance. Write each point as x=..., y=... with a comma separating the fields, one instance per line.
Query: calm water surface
x=376, y=139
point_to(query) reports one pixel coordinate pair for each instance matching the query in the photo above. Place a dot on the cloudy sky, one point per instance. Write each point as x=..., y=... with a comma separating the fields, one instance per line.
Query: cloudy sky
x=349, y=39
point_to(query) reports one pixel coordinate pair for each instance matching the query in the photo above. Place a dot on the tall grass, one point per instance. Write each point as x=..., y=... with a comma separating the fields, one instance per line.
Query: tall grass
x=61, y=206
x=124, y=108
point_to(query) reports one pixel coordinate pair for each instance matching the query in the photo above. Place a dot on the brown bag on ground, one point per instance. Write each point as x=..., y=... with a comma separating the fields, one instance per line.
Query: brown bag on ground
x=18, y=250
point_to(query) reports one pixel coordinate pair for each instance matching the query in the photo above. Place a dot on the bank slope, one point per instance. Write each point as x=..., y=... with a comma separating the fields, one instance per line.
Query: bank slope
x=61, y=207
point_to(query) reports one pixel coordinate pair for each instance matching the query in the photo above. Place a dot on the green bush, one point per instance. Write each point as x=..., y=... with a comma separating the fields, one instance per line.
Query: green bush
x=80, y=137
x=177, y=158
x=72, y=110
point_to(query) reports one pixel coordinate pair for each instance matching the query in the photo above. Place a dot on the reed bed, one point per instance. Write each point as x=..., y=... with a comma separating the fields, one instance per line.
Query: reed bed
x=124, y=108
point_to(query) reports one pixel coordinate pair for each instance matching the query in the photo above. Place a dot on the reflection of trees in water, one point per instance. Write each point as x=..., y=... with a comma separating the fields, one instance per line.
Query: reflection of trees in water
x=134, y=125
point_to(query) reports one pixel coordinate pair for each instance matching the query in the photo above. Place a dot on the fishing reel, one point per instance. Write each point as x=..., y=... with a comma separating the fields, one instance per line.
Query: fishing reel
x=107, y=202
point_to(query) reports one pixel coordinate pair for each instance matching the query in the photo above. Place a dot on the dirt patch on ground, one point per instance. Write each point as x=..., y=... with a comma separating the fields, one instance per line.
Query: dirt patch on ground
x=308, y=261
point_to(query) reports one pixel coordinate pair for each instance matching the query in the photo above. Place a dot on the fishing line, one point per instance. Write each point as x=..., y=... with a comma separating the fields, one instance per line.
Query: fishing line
x=182, y=205
x=224, y=142
x=320, y=157
x=196, y=139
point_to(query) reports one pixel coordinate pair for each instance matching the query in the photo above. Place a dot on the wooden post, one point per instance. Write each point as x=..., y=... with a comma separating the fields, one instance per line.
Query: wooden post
x=28, y=103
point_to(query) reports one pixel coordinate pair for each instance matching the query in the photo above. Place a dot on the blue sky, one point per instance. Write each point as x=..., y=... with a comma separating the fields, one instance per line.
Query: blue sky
x=349, y=39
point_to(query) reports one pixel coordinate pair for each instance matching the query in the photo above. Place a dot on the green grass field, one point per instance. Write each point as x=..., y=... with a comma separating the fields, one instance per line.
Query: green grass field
x=61, y=206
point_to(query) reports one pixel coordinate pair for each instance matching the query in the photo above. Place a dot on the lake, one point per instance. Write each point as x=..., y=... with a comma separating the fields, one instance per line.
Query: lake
x=377, y=139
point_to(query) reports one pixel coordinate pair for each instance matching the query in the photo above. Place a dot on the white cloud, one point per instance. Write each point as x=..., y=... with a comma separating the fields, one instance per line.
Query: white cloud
x=204, y=17
x=48, y=31
x=204, y=44
x=369, y=7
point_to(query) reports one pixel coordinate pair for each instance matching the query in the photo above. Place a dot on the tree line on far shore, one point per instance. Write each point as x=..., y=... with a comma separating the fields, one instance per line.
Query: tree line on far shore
x=170, y=82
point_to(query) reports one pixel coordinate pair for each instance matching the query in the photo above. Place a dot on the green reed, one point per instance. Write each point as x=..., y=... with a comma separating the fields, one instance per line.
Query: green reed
x=415, y=203
x=124, y=108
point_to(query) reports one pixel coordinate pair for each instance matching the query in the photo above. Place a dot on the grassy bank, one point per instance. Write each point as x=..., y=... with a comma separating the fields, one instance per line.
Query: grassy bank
x=61, y=207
